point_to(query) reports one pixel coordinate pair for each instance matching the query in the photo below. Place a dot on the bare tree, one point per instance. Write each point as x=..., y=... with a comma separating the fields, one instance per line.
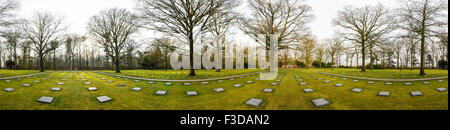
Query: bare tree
x=320, y=53
x=334, y=47
x=362, y=25
x=130, y=48
x=184, y=18
x=41, y=29
x=221, y=22
x=25, y=47
x=13, y=38
x=308, y=45
x=71, y=42
x=167, y=46
x=288, y=18
x=111, y=29
x=6, y=8
x=420, y=17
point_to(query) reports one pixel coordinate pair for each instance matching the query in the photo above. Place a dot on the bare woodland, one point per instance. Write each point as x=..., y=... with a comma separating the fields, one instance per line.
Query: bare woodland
x=411, y=36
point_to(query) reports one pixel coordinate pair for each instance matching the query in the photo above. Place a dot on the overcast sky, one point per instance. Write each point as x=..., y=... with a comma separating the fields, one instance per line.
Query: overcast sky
x=78, y=12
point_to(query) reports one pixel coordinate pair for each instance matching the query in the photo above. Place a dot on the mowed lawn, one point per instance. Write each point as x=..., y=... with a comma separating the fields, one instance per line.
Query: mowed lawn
x=10, y=73
x=181, y=74
x=288, y=95
x=386, y=73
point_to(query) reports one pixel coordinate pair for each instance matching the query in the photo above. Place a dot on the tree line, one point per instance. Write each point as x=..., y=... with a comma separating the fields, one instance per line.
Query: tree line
x=413, y=35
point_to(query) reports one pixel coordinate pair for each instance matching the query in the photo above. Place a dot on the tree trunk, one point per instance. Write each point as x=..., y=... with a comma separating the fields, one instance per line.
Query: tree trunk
x=117, y=64
x=191, y=56
x=422, y=53
x=41, y=63
x=371, y=57
x=363, y=52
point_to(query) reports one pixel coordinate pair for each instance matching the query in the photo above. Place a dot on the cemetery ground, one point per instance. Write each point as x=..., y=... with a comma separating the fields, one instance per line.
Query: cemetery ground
x=295, y=89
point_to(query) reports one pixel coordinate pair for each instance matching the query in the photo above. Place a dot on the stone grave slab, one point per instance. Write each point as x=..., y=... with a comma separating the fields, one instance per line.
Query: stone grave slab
x=254, y=102
x=357, y=90
x=36, y=81
x=160, y=92
x=220, y=81
x=26, y=85
x=249, y=82
x=327, y=81
x=267, y=90
x=56, y=89
x=150, y=82
x=110, y=81
x=237, y=85
x=7, y=81
x=440, y=80
x=426, y=82
x=103, y=99
x=191, y=93
x=45, y=99
x=121, y=85
x=441, y=89
x=219, y=90
x=168, y=84
x=87, y=83
x=320, y=102
x=338, y=85
x=308, y=90
x=302, y=84
x=60, y=83
x=408, y=84
x=416, y=93
x=299, y=80
x=320, y=79
x=388, y=83
x=370, y=82
x=136, y=89
x=92, y=89
x=9, y=89
x=274, y=84
x=187, y=84
x=205, y=83
x=384, y=93
x=355, y=80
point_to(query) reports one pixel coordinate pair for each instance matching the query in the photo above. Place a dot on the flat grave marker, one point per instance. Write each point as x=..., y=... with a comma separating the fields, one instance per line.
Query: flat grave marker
x=9, y=89
x=267, y=90
x=161, y=92
x=103, y=99
x=45, y=99
x=416, y=93
x=192, y=93
x=219, y=90
x=308, y=90
x=320, y=102
x=254, y=102
x=384, y=93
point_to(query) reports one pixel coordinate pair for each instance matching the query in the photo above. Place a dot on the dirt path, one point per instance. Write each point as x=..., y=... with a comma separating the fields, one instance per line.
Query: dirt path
x=392, y=80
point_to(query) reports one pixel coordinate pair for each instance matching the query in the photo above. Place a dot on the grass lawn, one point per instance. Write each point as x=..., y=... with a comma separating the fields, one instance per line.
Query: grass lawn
x=289, y=95
x=10, y=73
x=386, y=73
x=181, y=74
